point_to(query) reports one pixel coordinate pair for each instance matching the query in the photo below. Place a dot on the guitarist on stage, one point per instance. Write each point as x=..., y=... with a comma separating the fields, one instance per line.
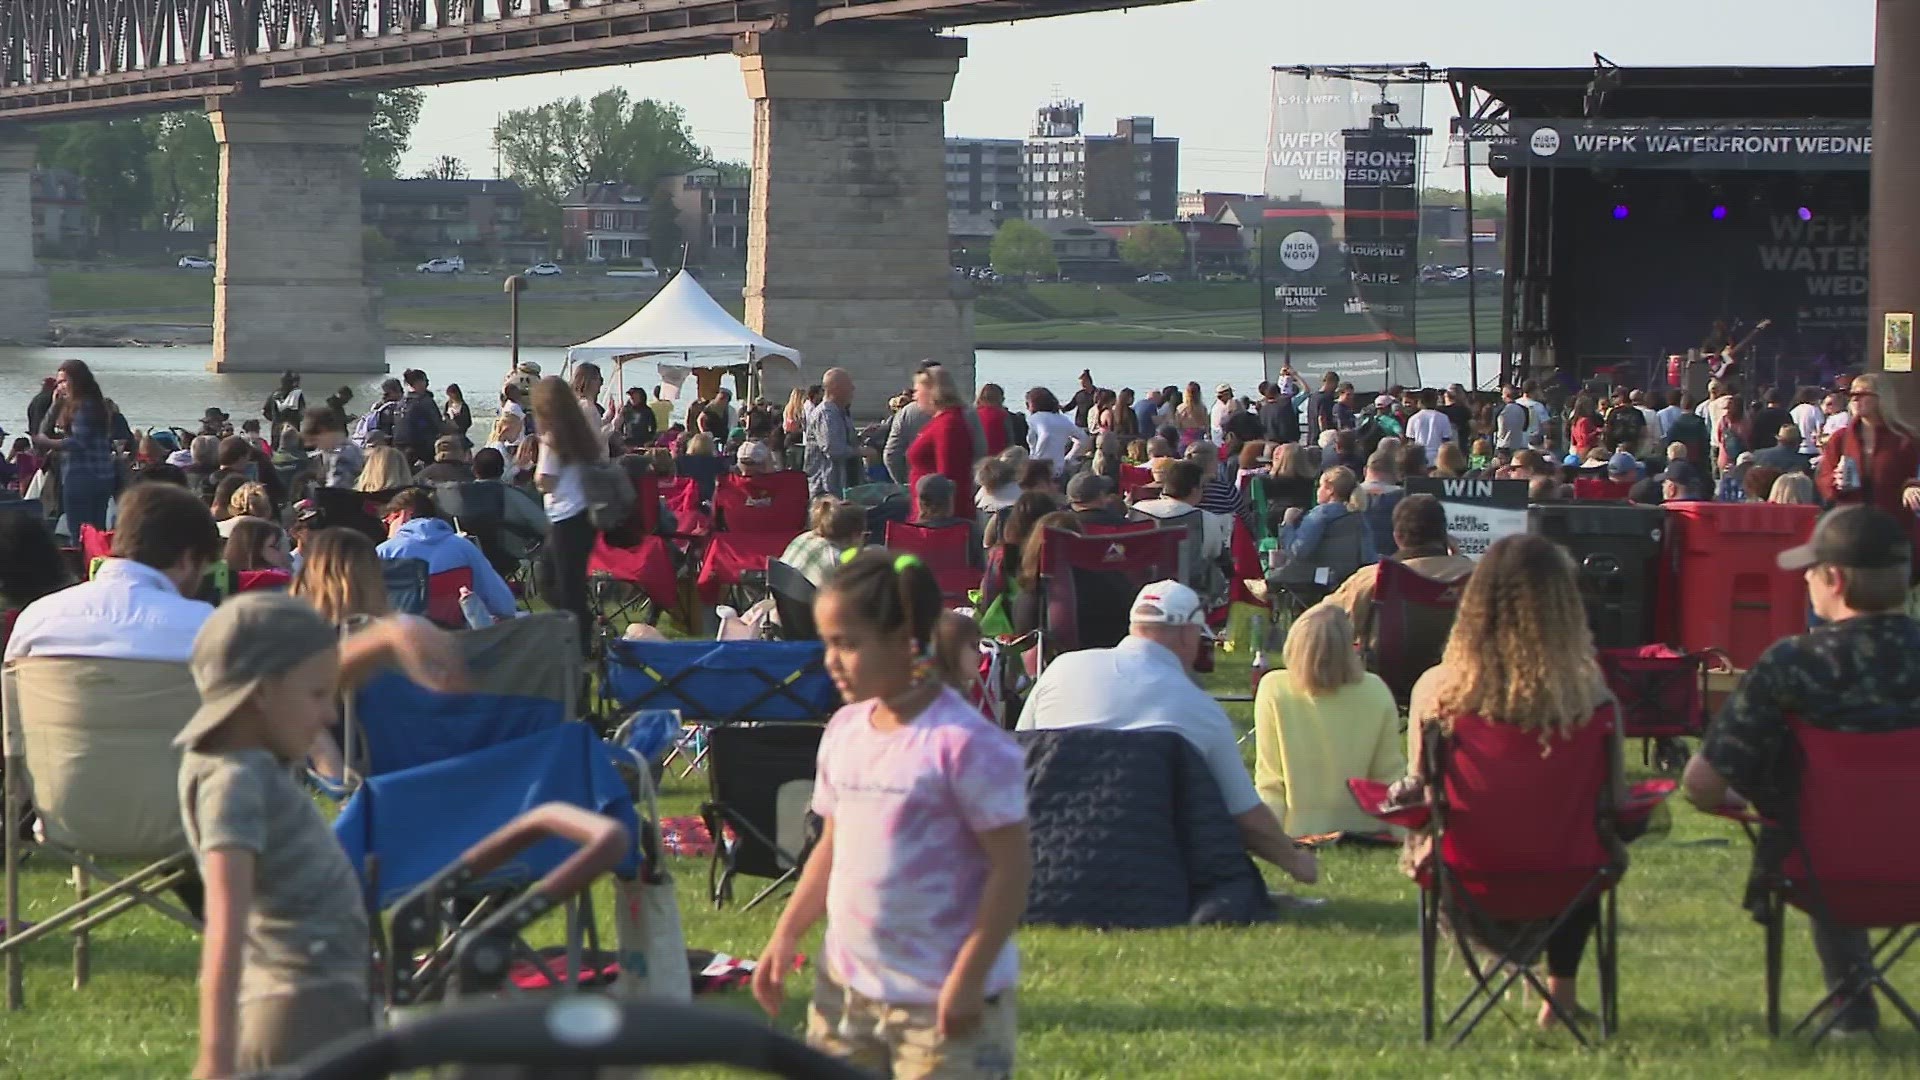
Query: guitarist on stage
x=1720, y=341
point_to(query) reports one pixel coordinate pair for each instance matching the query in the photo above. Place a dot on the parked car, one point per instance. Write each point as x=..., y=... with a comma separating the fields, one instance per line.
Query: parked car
x=1158, y=277
x=442, y=266
x=546, y=269
x=194, y=262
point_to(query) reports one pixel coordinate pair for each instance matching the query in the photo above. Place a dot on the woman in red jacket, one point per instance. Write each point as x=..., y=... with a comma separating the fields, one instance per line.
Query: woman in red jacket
x=945, y=445
x=1875, y=459
x=991, y=404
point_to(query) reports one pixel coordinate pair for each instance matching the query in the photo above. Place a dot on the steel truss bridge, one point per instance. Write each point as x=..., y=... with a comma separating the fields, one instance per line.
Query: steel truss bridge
x=71, y=58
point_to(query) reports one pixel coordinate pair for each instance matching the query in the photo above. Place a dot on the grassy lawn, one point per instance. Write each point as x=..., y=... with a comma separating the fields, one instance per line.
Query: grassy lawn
x=1330, y=992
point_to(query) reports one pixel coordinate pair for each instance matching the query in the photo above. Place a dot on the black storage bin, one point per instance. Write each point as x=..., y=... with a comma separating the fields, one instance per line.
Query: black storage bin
x=1616, y=547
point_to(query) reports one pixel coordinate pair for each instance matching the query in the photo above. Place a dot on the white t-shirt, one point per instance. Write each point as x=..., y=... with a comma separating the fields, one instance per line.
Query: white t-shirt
x=1807, y=416
x=1051, y=437
x=1431, y=429
x=568, y=498
x=1221, y=412
x=1140, y=686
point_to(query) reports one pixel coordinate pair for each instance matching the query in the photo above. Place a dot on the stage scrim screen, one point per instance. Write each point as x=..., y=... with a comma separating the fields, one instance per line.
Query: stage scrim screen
x=1340, y=236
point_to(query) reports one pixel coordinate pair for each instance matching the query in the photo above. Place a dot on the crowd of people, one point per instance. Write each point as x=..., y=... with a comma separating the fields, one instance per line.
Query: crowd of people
x=922, y=797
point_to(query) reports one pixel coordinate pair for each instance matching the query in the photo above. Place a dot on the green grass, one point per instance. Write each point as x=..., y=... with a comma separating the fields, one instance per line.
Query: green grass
x=1328, y=993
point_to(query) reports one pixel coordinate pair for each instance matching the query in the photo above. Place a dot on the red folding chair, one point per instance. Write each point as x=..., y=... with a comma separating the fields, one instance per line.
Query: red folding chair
x=1602, y=489
x=1412, y=616
x=95, y=543
x=1518, y=850
x=755, y=518
x=1850, y=860
x=1087, y=584
x=947, y=551
x=443, y=597
x=1663, y=696
x=633, y=567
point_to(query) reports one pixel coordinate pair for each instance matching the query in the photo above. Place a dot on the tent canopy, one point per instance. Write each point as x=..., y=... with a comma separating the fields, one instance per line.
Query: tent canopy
x=682, y=326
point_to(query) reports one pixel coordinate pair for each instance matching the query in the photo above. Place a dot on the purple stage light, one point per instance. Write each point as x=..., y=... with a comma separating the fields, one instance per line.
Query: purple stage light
x=1620, y=211
x=1805, y=214
x=1719, y=213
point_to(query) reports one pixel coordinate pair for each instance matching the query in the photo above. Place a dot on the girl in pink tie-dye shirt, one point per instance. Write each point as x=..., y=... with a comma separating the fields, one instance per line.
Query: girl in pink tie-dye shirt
x=922, y=870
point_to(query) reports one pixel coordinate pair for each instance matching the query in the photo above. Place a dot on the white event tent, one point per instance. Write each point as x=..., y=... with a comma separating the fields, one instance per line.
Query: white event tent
x=684, y=330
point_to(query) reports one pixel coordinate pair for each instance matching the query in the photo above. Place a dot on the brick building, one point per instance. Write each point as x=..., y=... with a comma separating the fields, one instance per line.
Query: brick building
x=710, y=206
x=606, y=222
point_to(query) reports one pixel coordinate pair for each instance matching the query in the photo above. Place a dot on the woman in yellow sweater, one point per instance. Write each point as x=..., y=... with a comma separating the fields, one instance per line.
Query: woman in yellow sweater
x=1319, y=720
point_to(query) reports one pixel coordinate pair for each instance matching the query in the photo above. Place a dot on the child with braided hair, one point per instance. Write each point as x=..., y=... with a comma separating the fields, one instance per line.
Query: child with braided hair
x=921, y=871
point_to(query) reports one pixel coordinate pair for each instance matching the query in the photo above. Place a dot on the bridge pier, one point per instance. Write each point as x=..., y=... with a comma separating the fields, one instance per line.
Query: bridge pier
x=288, y=288
x=847, y=234
x=23, y=285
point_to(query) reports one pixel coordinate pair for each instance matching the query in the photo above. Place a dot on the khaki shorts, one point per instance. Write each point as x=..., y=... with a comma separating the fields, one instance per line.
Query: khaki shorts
x=903, y=1041
x=278, y=1031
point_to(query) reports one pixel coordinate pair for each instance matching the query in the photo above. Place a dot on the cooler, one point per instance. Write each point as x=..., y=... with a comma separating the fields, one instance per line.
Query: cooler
x=1616, y=547
x=1719, y=586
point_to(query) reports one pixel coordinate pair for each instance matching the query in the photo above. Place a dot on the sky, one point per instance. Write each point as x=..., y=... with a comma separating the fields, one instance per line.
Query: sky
x=1201, y=68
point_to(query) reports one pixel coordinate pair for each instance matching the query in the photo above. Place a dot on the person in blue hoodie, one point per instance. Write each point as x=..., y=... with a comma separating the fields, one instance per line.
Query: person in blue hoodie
x=416, y=531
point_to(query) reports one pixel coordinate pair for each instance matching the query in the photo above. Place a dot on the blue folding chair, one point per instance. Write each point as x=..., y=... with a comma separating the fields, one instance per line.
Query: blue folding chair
x=402, y=828
x=710, y=683
x=524, y=678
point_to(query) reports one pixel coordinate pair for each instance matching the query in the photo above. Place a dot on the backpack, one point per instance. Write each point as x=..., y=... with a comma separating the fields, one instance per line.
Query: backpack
x=378, y=419
x=610, y=495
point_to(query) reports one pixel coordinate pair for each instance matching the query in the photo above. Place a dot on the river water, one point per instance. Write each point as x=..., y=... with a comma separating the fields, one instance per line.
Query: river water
x=162, y=386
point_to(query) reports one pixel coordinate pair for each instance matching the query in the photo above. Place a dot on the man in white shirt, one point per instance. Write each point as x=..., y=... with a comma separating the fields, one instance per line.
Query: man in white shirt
x=1656, y=432
x=1671, y=412
x=137, y=606
x=1429, y=428
x=1714, y=409
x=1512, y=424
x=1808, y=417
x=1838, y=416
x=1530, y=397
x=1145, y=683
x=1221, y=411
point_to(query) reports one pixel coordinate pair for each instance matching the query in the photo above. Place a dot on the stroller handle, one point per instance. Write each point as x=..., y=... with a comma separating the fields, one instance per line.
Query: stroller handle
x=573, y=1031
x=601, y=842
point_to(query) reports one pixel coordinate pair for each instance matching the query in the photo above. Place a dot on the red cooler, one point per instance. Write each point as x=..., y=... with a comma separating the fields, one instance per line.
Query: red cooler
x=1719, y=585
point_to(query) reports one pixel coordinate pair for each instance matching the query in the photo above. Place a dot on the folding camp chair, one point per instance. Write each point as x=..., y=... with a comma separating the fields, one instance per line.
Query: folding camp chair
x=401, y=828
x=1849, y=859
x=792, y=601
x=755, y=518
x=1518, y=849
x=947, y=551
x=345, y=508
x=407, y=582
x=524, y=678
x=443, y=597
x=1412, y=616
x=479, y=511
x=92, y=742
x=1301, y=582
x=716, y=683
x=1663, y=697
x=631, y=571
x=760, y=779
x=1087, y=584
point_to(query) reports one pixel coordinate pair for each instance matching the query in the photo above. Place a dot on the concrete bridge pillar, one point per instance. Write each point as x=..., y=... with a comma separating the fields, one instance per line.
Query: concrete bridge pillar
x=23, y=285
x=847, y=235
x=288, y=286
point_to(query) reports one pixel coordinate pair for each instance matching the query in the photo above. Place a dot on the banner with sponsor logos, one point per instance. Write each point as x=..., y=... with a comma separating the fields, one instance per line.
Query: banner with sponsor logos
x=1766, y=145
x=1340, y=232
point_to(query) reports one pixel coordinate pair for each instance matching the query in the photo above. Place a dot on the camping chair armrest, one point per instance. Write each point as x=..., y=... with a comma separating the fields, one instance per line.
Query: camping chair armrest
x=602, y=841
x=1372, y=798
x=1643, y=798
x=337, y=790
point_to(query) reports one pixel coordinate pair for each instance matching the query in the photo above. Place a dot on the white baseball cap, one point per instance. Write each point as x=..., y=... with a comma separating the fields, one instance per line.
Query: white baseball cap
x=1170, y=603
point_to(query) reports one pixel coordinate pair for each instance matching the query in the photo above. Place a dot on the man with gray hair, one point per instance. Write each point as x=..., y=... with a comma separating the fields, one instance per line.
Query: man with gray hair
x=827, y=435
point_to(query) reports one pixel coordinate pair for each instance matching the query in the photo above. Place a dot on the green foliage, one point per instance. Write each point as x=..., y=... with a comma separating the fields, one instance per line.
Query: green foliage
x=376, y=248
x=185, y=163
x=553, y=148
x=112, y=158
x=1022, y=249
x=390, y=131
x=1153, y=247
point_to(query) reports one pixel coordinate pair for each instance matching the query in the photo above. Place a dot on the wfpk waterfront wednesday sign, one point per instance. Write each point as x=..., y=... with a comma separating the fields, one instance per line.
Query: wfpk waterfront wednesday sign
x=1774, y=145
x=1340, y=233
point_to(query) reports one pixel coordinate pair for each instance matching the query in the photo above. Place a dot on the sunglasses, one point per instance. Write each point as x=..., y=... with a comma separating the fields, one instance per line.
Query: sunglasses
x=1858, y=394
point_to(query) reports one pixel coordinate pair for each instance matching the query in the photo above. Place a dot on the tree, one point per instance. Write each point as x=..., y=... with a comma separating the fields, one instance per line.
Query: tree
x=1021, y=249
x=445, y=167
x=112, y=158
x=553, y=148
x=389, y=131
x=1153, y=247
x=185, y=163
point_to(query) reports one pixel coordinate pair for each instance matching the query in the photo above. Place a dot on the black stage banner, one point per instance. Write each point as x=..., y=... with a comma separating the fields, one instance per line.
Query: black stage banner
x=1767, y=145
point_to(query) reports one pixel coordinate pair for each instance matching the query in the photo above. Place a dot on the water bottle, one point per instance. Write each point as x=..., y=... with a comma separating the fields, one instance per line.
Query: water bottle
x=1849, y=474
x=473, y=610
x=1259, y=669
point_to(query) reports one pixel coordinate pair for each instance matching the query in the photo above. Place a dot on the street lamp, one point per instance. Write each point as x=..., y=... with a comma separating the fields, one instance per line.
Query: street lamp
x=514, y=286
